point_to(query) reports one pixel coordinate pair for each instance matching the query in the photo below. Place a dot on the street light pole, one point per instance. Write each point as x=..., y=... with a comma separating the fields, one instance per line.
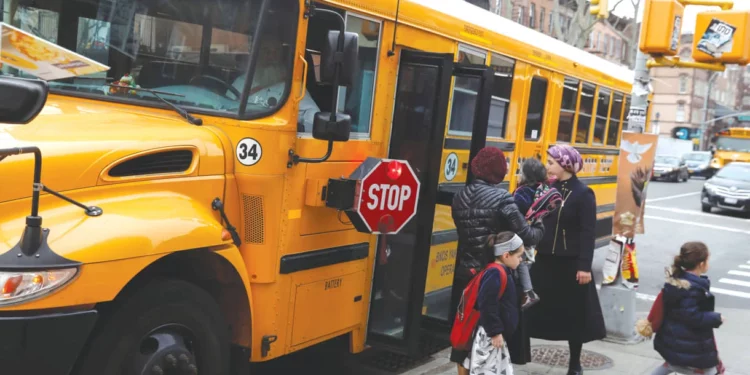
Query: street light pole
x=704, y=123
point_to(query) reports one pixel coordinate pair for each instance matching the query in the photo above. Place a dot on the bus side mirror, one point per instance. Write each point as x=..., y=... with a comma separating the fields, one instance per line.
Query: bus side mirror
x=347, y=57
x=21, y=99
x=336, y=129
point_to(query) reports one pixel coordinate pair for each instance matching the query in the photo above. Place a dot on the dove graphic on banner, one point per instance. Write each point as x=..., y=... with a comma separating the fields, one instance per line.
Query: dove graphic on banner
x=635, y=150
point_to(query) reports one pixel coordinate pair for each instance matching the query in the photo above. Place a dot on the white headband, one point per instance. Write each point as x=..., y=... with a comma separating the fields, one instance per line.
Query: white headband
x=510, y=245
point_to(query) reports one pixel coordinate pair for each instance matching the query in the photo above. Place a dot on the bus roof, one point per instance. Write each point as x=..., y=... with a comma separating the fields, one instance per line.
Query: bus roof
x=502, y=26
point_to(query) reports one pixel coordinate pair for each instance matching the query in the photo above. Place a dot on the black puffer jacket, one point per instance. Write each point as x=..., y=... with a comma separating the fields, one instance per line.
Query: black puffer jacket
x=480, y=209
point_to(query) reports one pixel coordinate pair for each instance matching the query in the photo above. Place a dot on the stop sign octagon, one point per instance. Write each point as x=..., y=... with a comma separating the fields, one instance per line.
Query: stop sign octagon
x=386, y=195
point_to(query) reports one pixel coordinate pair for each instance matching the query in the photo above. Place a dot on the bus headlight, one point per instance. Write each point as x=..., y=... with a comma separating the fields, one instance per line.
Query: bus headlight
x=22, y=286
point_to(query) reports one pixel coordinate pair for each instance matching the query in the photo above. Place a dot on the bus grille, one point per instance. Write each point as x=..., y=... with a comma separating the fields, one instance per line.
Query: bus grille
x=253, y=217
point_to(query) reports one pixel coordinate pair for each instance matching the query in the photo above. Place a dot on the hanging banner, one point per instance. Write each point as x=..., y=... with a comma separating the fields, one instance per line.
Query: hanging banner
x=40, y=58
x=636, y=162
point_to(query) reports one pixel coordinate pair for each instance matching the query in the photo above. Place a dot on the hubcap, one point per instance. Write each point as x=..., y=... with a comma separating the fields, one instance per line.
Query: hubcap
x=167, y=350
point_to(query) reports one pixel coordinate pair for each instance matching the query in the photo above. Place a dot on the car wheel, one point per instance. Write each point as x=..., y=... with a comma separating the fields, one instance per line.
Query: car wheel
x=706, y=208
x=168, y=326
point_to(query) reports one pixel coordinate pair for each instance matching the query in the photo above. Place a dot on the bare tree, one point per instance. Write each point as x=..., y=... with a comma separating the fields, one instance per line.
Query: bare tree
x=575, y=29
x=629, y=33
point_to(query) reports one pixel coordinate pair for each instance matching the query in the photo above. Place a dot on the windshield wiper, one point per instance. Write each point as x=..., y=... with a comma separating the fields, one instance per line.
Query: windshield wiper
x=182, y=112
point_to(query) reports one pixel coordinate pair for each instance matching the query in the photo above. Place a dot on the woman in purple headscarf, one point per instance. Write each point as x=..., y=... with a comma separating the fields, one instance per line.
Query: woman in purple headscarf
x=569, y=307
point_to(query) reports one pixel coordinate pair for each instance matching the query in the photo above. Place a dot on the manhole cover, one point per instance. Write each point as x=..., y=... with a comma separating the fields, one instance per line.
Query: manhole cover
x=559, y=356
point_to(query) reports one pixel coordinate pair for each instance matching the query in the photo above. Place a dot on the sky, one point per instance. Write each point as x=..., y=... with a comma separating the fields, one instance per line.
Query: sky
x=625, y=9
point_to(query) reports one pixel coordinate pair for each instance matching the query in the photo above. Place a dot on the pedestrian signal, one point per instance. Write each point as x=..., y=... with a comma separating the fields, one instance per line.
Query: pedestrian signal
x=657, y=36
x=722, y=36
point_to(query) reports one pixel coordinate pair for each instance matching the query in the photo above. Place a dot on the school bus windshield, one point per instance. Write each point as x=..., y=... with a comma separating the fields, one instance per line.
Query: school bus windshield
x=733, y=144
x=198, y=51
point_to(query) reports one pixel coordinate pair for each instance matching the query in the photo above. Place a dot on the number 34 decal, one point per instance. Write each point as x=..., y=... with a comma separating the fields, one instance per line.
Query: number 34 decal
x=249, y=151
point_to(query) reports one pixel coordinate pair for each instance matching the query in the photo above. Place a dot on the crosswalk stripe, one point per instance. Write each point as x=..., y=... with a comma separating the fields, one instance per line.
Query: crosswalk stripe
x=744, y=266
x=739, y=273
x=735, y=282
x=730, y=292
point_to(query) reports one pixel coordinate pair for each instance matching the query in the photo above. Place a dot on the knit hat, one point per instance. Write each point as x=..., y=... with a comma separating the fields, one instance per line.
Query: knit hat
x=490, y=165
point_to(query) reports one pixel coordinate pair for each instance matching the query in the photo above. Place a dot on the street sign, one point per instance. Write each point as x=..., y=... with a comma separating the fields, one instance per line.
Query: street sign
x=743, y=118
x=385, y=197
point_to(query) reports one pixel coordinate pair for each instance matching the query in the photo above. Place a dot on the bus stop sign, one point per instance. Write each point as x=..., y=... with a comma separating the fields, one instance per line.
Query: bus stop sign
x=385, y=197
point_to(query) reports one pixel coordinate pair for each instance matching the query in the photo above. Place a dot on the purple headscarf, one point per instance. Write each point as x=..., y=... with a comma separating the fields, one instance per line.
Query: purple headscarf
x=567, y=156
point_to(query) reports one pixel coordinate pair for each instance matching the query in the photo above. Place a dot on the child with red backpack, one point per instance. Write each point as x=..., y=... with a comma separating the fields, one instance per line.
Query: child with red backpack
x=489, y=310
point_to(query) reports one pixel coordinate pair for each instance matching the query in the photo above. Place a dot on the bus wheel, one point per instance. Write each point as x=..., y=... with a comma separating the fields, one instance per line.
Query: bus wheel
x=166, y=327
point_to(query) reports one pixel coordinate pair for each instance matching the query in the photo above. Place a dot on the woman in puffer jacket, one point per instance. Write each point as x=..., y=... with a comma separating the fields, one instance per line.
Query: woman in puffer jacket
x=479, y=210
x=686, y=337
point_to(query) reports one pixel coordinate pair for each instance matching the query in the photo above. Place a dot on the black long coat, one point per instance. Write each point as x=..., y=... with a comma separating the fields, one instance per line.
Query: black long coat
x=567, y=310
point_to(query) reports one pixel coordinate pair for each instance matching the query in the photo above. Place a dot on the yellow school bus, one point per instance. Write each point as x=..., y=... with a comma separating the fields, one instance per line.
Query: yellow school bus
x=732, y=144
x=184, y=222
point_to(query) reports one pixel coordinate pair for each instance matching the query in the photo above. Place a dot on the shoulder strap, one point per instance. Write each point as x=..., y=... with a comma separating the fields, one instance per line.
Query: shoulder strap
x=503, y=277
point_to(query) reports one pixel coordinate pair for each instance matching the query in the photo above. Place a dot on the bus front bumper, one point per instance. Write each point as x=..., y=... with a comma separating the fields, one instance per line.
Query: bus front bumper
x=43, y=344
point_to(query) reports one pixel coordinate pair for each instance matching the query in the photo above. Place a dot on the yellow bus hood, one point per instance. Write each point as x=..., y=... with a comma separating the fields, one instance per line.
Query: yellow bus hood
x=80, y=139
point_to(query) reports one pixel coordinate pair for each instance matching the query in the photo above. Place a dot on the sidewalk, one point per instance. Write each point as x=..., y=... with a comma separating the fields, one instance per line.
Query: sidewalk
x=636, y=359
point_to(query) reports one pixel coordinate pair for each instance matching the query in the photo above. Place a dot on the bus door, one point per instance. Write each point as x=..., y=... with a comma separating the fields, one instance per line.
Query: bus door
x=530, y=137
x=417, y=135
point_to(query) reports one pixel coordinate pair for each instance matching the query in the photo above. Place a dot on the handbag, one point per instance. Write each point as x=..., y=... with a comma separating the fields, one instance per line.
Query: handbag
x=647, y=327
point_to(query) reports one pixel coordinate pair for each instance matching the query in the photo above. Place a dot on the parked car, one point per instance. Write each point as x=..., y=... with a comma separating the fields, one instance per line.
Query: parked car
x=729, y=189
x=670, y=168
x=698, y=163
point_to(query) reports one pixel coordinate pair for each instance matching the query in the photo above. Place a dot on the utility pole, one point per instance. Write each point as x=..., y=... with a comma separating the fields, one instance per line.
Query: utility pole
x=706, y=97
x=618, y=301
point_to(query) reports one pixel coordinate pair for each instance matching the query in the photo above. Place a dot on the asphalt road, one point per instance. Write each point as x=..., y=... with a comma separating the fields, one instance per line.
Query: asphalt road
x=673, y=217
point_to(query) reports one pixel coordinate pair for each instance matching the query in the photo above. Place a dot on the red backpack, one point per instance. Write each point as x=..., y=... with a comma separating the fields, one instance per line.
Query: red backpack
x=467, y=317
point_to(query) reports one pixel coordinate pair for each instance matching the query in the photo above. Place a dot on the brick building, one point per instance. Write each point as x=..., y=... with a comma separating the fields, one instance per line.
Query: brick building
x=680, y=93
x=546, y=17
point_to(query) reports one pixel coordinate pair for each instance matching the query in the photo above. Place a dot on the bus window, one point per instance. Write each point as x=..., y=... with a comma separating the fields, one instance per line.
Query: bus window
x=535, y=114
x=567, y=110
x=602, y=113
x=357, y=100
x=465, y=93
x=584, y=113
x=501, y=89
x=614, y=120
x=198, y=51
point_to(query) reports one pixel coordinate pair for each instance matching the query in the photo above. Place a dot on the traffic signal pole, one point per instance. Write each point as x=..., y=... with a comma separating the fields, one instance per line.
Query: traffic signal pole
x=617, y=300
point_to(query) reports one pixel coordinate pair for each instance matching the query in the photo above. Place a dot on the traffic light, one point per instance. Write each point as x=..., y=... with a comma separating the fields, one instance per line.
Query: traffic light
x=661, y=30
x=722, y=36
x=599, y=8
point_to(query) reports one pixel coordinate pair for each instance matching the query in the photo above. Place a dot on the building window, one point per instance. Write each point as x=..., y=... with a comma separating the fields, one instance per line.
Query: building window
x=357, y=100
x=520, y=15
x=680, y=114
x=535, y=114
x=465, y=93
x=552, y=16
x=567, y=110
x=532, y=14
x=683, y=83
x=596, y=40
x=541, y=19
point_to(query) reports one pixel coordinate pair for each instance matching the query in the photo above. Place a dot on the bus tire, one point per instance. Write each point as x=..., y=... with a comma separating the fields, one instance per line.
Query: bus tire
x=167, y=326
